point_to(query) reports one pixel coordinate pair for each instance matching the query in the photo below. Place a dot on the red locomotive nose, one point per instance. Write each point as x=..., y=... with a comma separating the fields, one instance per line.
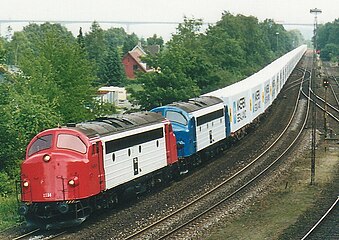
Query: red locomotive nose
x=51, y=177
x=58, y=167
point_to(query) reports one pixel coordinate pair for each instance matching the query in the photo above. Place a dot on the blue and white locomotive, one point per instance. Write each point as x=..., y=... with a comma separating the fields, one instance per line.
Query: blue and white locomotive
x=198, y=123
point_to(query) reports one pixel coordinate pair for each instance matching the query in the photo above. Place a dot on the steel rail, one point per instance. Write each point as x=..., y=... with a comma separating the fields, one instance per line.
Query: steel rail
x=318, y=105
x=328, y=104
x=40, y=236
x=321, y=219
x=27, y=234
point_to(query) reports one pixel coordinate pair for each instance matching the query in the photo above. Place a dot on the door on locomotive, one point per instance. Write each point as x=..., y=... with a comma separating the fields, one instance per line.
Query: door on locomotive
x=96, y=159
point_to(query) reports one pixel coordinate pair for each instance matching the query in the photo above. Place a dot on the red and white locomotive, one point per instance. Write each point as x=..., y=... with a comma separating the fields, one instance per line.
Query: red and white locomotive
x=70, y=171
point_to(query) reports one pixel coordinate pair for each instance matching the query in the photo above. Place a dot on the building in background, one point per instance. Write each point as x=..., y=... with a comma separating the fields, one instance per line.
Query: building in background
x=132, y=61
x=114, y=95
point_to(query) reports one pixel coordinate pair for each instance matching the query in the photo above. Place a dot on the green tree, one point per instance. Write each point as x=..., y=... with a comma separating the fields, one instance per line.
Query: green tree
x=95, y=47
x=57, y=69
x=164, y=87
x=187, y=45
x=112, y=72
x=22, y=115
x=155, y=40
x=80, y=39
x=130, y=42
x=330, y=52
x=243, y=41
x=115, y=37
x=328, y=40
x=2, y=51
x=224, y=50
x=99, y=43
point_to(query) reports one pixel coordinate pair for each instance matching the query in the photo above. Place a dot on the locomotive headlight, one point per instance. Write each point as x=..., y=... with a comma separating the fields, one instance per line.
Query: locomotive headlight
x=46, y=158
x=25, y=184
x=71, y=182
x=74, y=181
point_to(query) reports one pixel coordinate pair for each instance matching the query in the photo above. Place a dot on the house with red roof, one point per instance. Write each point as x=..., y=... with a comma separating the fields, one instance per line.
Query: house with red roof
x=132, y=61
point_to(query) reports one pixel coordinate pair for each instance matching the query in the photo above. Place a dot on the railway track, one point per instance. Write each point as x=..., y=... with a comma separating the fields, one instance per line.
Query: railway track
x=323, y=104
x=322, y=100
x=27, y=234
x=335, y=95
x=333, y=114
x=333, y=85
x=335, y=78
x=196, y=212
x=326, y=227
x=306, y=75
x=30, y=233
x=328, y=105
x=39, y=234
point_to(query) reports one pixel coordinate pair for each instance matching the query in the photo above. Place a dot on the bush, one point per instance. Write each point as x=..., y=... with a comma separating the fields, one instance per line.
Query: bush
x=8, y=212
x=329, y=52
x=7, y=185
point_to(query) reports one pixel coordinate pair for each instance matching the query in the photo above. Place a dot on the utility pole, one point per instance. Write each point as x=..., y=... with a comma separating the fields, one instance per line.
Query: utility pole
x=314, y=11
x=325, y=85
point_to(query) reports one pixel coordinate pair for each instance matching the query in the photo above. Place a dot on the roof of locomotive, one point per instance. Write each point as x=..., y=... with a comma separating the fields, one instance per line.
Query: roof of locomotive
x=196, y=104
x=107, y=125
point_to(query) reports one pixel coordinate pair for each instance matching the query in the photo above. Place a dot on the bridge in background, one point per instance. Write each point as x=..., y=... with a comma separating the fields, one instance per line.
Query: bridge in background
x=2, y=21
x=114, y=23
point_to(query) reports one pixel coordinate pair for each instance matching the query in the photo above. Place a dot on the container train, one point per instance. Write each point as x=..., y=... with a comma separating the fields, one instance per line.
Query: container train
x=71, y=171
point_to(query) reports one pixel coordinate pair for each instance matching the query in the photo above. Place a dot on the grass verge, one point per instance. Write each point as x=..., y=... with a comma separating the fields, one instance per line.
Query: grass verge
x=8, y=212
x=291, y=204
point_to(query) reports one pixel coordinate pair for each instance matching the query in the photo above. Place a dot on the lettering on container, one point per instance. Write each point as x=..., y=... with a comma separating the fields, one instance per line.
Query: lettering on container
x=256, y=101
x=267, y=93
x=239, y=108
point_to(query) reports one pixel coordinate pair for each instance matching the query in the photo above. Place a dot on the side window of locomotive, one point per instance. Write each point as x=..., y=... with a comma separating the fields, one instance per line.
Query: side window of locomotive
x=40, y=144
x=71, y=142
x=176, y=117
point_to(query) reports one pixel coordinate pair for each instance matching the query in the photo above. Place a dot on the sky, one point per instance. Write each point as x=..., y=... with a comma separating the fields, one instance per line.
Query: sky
x=288, y=11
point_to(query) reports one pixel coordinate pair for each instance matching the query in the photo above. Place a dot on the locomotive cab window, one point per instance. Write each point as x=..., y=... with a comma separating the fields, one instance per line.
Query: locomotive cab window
x=41, y=143
x=71, y=142
x=176, y=117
